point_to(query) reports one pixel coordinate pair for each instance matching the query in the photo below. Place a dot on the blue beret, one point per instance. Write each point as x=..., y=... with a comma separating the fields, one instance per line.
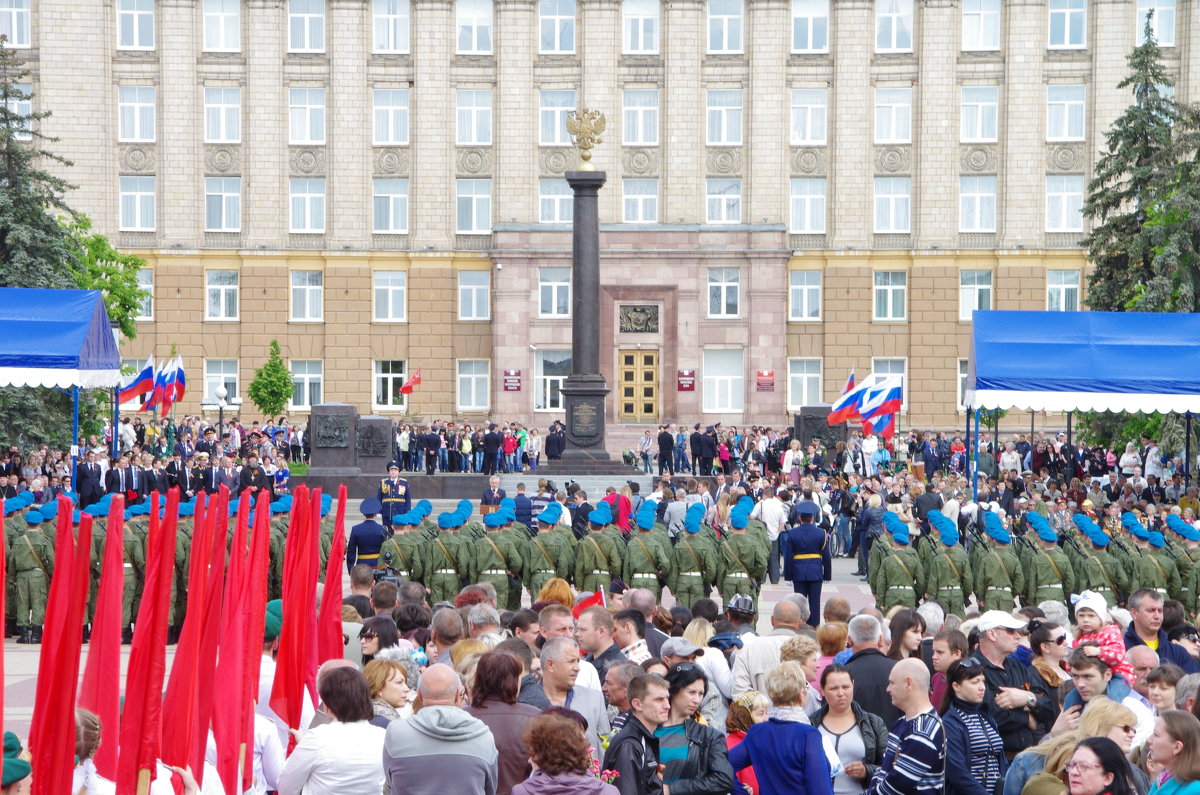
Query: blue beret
x=1130, y=522
x=75, y=516
x=95, y=509
x=746, y=501
x=601, y=515
x=370, y=506
x=739, y=517
x=945, y=527
x=494, y=519
x=646, y=515
x=445, y=521
x=1098, y=537
x=1041, y=526
x=1084, y=523
x=995, y=528
x=465, y=505
x=1176, y=525
x=550, y=514
x=893, y=523
x=901, y=536
x=34, y=517
x=693, y=517
x=508, y=502
x=187, y=509
x=425, y=507
x=276, y=507
x=1156, y=540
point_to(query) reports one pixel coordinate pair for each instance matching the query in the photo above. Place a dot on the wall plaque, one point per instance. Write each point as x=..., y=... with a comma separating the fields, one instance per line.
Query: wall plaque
x=685, y=381
x=584, y=419
x=512, y=380
x=333, y=430
x=765, y=380
x=639, y=320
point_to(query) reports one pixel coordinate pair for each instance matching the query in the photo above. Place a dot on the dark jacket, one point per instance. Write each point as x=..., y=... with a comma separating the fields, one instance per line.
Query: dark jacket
x=869, y=670
x=607, y=659
x=523, y=507
x=874, y=733
x=256, y=478
x=633, y=754
x=707, y=770
x=959, y=778
x=1167, y=652
x=870, y=520
x=508, y=723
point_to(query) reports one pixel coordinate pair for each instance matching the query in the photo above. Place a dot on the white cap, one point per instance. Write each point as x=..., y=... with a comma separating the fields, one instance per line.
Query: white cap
x=995, y=619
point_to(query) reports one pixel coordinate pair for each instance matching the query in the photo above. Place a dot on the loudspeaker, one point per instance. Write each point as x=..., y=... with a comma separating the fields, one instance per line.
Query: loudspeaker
x=813, y=421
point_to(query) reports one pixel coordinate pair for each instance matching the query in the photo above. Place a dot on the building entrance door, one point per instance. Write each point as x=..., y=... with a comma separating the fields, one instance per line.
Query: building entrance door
x=637, y=376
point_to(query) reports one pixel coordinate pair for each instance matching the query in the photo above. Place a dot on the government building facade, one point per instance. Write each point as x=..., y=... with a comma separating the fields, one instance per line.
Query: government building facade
x=794, y=188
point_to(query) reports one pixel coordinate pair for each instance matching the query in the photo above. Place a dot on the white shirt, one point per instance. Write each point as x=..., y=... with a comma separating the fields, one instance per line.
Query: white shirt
x=86, y=776
x=716, y=669
x=756, y=658
x=773, y=513
x=588, y=676
x=336, y=759
x=266, y=680
x=268, y=756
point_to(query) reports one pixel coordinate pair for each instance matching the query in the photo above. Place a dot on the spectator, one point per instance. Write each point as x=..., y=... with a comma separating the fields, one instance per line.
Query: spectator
x=494, y=702
x=869, y=669
x=390, y=683
x=377, y=633
x=804, y=650
x=1098, y=767
x=907, y=628
x=1092, y=678
x=616, y=691
x=948, y=647
x=643, y=599
x=383, y=598
x=974, y=751
x=857, y=736
x=1015, y=693
x=559, y=753
x=695, y=756
x=915, y=759
x=831, y=637
x=1146, y=607
x=760, y=655
x=558, y=688
x=629, y=631
x=634, y=752
x=594, y=630
x=1175, y=748
x=716, y=670
x=744, y=711
x=557, y=622
x=1050, y=646
x=361, y=581
x=445, y=630
x=1161, y=683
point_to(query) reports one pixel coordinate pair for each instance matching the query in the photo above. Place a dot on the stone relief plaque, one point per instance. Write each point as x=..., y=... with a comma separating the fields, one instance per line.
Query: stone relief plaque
x=639, y=319
x=332, y=431
x=372, y=439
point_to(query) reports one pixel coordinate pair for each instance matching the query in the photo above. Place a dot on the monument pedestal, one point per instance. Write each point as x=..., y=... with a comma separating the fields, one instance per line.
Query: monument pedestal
x=334, y=441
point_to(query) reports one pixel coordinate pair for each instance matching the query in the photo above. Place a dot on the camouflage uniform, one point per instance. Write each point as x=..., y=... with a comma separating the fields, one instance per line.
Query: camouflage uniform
x=693, y=570
x=645, y=560
x=597, y=561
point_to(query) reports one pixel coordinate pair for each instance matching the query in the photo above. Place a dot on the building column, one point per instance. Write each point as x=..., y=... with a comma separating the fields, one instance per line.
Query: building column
x=515, y=130
x=349, y=122
x=851, y=125
x=1022, y=183
x=180, y=126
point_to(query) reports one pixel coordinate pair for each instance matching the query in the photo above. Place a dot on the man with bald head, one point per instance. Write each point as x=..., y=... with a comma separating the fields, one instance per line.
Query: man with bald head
x=761, y=654
x=914, y=762
x=441, y=748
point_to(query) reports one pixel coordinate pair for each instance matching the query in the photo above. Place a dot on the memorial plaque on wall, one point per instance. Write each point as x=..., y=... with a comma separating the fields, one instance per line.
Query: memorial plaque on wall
x=639, y=319
x=512, y=380
x=765, y=380
x=685, y=381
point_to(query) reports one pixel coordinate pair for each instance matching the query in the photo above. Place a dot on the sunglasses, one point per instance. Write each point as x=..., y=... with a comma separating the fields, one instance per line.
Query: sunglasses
x=1125, y=727
x=969, y=662
x=367, y=636
x=1060, y=640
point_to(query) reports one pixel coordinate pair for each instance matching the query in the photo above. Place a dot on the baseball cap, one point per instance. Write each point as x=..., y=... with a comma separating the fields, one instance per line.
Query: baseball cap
x=998, y=619
x=679, y=647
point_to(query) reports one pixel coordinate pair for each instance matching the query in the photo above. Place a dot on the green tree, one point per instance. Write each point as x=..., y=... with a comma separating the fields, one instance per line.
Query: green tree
x=271, y=388
x=102, y=267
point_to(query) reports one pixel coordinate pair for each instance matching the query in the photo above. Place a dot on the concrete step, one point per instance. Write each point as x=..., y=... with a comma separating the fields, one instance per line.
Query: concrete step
x=594, y=485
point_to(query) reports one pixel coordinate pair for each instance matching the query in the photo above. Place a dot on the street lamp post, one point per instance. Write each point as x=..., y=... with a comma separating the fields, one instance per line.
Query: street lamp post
x=221, y=393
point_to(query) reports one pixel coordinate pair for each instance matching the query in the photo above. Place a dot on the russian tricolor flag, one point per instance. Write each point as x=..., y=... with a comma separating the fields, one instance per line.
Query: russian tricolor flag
x=846, y=407
x=141, y=383
x=885, y=397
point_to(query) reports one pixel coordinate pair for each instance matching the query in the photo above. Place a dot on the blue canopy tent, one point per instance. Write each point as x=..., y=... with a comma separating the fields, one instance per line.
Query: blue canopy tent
x=60, y=339
x=1084, y=361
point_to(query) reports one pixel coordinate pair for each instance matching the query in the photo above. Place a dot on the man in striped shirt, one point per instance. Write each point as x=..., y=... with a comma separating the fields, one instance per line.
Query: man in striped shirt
x=915, y=759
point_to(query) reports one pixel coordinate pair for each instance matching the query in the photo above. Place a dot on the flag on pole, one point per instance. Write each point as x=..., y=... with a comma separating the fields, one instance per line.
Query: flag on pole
x=880, y=404
x=329, y=622
x=846, y=406
x=415, y=380
x=138, y=384
x=597, y=598
x=170, y=382
x=229, y=726
x=180, y=381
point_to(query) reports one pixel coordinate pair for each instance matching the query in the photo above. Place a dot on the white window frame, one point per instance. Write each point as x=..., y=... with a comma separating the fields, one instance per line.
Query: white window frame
x=893, y=202
x=556, y=201
x=305, y=382
x=810, y=26
x=889, y=289
x=639, y=205
x=804, y=296
x=306, y=116
x=722, y=394
x=474, y=295
x=474, y=22
x=473, y=115
x=306, y=294
x=723, y=200
x=724, y=110
x=893, y=115
x=808, y=206
x=306, y=210
x=554, y=105
x=132, y=17
x=556, y=27
x=884, y=366
x=384, y=373
x=1064, y=203
x=960, y=384
x=223, y=202
x=723, y=297
x=1062, y=290
x=980, y=25
x=547, y=389
x=810, y=114
x=889, y=28
x=389, y=296
x=639, y=26
x=1164, y=31
x=725, y=28
x=474, y=198
x=804, y=387
x=979, y=112
x=391, y=26
x=222, y=116
x=1065, y=15
x=974, y=292
x=389, y=203
x=138, y=212
x=472, y=385
x=145, y=279
x=306, y=27
x=977, y=204
x=222, y=26
x=15, y=23
x=22, y=108
x=220, y=294
x=1066, y=112
x=391, y=115
x=136, y=113
x=640, y=117
x=221, y=372
x=554, y=292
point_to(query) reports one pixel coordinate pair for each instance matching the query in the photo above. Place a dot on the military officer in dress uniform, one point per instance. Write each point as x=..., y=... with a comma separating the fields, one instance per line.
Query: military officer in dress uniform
x=393, y=496
x=366, y=537
x=806, y=557
x=947, y=569
x=31, y=560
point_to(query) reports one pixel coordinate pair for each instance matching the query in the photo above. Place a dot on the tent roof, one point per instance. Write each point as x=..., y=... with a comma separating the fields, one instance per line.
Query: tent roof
x=1088, y=361
x=57, y=338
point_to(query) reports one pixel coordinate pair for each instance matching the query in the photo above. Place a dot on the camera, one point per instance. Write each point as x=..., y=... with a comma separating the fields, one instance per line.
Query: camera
x=387, y=574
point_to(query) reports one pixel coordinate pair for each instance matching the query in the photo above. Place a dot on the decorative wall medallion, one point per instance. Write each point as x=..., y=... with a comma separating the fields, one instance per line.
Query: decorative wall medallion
x=978, y=159
x=222, y=160
x=892, y=160
x=1067, y=158
x=639, y=320
x=137, y=159
x=557, y=161
x=725, y=162
x=474, y=161
x=308, y=161
x=372, y=439
x=641, y=162
x=392, y=162
x=333, y=430
x=808, y=161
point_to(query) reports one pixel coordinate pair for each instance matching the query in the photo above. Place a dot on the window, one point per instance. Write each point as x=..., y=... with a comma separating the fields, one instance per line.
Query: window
x=306, y=383
x=222, y=115
x=893, y=115
x=222, y=204
x=222, y=26
x=474, y=117
x=474, y=21
x=892, y=204
x=977, y=204
x=474, y=299
x=306, y=25
x=391, y=116
x=391, y=296
x=1064, y=203
x=724, y=26
x=804, y=382
x=1162, y=24
x=137, y=204
x=809, y=111
x=14, y=22
x=723, y=285
x=135, y=113
x=641, y=201
x=979, y=109
x=220, y=372
x=135, y=24
x=883, y=368
x=308, y=204
x=221, y=295
x=554, y=292
x=391, y=26
x=804, y=295
x=308, y=289
x=893, y=25
x=890, y=289
x=306, y=116
x=473, y=386
x=550, y=371
x=962, y=384
x=725, y=117
x=810, y=25
x=556, y=21
x=640, y=126
x=1064, y=113
x=555, y=105
x=1068, y=21
x=974, y=292
x=474, y=206
x=389, y=377
x=808, y=206
x=724, y=381
x=1062, y=291
x=981, y=25
x=639, y=19
x=724, y=200
x=555, y=201
x=145, y=280
x=20, y=105
x=390, y=205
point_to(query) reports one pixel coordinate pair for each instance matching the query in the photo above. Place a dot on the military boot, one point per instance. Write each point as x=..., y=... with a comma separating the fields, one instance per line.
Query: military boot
x=25, y=634
x=37, y=635
x=126, y=636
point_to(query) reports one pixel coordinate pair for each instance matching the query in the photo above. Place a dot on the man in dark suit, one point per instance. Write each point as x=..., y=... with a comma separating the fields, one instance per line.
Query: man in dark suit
x=254, y=478
x=696, y=443
x=119, y=479
x=432, y=443
x=87, y=481
x=708, y=449
x=158, y=479
x=492, y=495
x=492, y=440
x=210, y=474
x=666, y=450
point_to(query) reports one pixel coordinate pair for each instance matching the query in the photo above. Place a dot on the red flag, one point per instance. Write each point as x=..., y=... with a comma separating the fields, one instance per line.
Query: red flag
x=142, y=716
x=100, y=690
x=210, y=631
x=231, y=663
x=407, y=387
x=299, y=595
x=596, y=598
x=52, y=748
x=329, y=623
x=256, y=607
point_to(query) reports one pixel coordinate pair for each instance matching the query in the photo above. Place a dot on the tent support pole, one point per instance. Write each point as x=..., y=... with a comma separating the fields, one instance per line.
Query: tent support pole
x=115, y=417
x=1070, y=444
x=1187, y=449
x=967, y=437
x=975, y=458
x=74, y=433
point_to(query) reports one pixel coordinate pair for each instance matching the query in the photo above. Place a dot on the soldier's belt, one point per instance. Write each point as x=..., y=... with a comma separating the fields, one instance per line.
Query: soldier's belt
x=129, y=565
x=493, y=571
x=374, y=556
x=637, y=574
x=741, y=574
x=690, y=574
x=806, y=556
x=999, y=588
x=445, y=571
x=905, y=587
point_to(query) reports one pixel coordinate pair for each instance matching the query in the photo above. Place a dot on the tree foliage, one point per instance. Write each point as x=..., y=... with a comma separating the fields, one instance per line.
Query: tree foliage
x=102, y=267
x=272, y=387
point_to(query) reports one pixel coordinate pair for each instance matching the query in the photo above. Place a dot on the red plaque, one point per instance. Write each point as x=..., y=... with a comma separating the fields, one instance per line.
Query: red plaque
x=765, y=380
x=686, y=381
x=512, y=380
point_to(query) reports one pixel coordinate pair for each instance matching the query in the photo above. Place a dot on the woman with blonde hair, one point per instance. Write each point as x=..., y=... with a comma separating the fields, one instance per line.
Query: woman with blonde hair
x=557, y=590
x=716, y=669
x=745, y=710
x=718, y=515
x=390, y=682
x=792, y=464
